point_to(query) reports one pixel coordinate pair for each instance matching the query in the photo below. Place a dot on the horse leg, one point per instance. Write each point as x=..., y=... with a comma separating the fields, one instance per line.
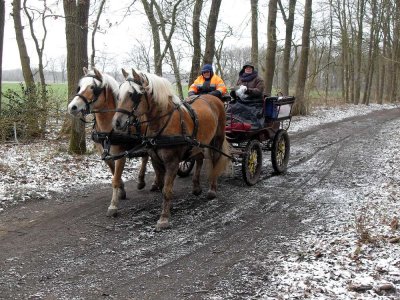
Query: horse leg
x=142, y=172
x=118, y=188
x=219, y=164
x=159, y=172
x=170, y=175
x=196, y=189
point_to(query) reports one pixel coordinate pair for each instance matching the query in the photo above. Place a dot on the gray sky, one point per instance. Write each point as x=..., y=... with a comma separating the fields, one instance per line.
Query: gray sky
x=118, y=39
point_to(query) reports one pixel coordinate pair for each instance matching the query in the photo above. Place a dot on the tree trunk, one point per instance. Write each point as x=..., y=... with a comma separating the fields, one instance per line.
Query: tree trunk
x=158, y=57
x=23, y=53
x=96, y=24
x=2, y=17
x=271, y=47
x=210, y=33
x=288, y=45
x=167, y=39
x=301, y=105
x=358, y=55
x=195, y=69
x=254, y=32
x=77, y=142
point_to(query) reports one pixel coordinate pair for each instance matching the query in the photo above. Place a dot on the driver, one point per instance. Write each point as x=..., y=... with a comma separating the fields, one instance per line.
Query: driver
x=208, y=83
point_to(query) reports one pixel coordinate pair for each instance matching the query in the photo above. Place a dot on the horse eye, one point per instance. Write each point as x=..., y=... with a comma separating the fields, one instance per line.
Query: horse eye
x=92, y=87
x=130, y=94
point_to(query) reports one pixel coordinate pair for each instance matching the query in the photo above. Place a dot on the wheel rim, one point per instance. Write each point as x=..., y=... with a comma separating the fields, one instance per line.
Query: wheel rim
x=280, y=157
x=252, y=164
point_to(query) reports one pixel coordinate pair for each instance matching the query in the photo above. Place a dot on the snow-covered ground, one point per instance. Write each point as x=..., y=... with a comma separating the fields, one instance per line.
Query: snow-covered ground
x=324, y=264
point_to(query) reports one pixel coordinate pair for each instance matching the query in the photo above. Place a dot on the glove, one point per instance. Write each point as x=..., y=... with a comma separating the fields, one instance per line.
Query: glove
x=216, y=93
x=240, y=91
x=191, y=93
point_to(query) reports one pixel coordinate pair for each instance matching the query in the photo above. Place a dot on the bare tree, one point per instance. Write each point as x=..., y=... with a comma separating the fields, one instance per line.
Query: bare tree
x=2, y=17
x=271, y=47
x=95, y=28
x=289, y=22
x=301, y=106
x=210, y=33
x=158, y=57
x=23, y=52
x=76, y=31
x=254, y=32
x=196, y=58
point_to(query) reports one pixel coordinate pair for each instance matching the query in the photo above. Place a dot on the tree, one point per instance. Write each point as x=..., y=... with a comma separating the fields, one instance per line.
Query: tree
x=210, y=33
x=300, y=106
x=271, y=47
x=95, y=28
x=23, y=52
x=289, y=22
x=158, y=57
x=2, y=17
x=196, y=58
x=76, y=32
x=254, y=32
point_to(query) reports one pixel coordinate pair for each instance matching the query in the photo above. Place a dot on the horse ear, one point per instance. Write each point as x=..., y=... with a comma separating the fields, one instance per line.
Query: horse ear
x=125, y=73
x=97, y=73
x=85, y=70
x=136, y=76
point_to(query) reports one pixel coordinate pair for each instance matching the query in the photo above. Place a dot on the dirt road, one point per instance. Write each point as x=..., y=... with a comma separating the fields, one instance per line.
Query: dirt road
x=66, y=248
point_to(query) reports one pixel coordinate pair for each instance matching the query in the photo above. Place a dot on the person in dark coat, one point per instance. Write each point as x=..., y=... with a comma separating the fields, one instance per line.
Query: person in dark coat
x=249, y=85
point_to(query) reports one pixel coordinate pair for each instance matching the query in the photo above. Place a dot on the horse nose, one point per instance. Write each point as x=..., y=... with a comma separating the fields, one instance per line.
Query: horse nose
x=117, y=123
x=73, y=109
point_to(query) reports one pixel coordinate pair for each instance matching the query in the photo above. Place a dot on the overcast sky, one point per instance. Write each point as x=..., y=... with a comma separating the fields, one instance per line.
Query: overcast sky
x=118, y=40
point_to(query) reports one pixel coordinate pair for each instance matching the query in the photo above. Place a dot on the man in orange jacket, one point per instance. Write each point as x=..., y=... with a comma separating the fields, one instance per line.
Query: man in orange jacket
x=208, y=83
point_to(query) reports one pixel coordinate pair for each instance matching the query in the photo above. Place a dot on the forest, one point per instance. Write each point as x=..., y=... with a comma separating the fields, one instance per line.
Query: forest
x=325, y=51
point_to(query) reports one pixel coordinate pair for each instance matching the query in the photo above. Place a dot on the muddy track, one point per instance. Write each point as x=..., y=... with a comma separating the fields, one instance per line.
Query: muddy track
x=66, y=248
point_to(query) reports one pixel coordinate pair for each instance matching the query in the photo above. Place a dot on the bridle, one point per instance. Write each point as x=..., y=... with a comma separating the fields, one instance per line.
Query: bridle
x=97, y=91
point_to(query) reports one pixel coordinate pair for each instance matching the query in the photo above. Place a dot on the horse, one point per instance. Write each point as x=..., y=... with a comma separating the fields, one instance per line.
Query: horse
x=97, y=93
x=176, y=131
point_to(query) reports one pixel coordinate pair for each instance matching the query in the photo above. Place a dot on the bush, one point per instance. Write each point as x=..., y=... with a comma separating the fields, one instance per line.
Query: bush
x=24, y=114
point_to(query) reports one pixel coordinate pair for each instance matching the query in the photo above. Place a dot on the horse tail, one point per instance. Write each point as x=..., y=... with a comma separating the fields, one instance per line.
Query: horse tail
x=220, y=162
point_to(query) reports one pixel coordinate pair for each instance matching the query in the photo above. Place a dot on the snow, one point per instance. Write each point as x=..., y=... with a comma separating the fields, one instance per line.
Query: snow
x=327, y=263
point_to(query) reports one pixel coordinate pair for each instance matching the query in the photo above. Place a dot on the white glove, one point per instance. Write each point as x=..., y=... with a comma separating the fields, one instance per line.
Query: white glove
x=240, y=91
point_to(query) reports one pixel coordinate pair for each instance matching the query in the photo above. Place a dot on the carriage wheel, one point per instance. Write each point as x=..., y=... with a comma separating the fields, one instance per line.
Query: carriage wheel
x=252, y=162
x=185, y=167
x=280, y=151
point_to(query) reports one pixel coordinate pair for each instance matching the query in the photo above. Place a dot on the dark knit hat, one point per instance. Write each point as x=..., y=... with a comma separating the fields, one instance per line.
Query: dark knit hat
x=206, y=68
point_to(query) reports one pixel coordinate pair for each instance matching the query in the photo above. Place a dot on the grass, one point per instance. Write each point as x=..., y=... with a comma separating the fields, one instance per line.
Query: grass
x=57, y=91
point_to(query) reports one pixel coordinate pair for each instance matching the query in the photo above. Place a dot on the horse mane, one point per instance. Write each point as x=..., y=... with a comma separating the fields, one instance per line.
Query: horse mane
x=108, y=81
x=162, y=90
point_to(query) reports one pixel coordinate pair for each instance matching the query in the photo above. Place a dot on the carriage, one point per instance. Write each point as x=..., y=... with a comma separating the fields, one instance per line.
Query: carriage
x=176, y=134
x=249, y=139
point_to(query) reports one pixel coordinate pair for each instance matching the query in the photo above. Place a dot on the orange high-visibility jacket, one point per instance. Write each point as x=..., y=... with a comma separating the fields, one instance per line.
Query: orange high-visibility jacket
x=216, y=83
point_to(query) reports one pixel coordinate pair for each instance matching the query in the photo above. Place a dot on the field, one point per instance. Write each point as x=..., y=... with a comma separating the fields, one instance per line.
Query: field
x=57, y=92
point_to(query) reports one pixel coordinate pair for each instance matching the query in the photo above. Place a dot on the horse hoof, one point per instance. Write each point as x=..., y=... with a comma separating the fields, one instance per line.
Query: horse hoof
x=141, y=185
x=161, y=225
x=122, y=194
x=211, y=195
x=196, y=192
x=112, y=212
x=154, y=188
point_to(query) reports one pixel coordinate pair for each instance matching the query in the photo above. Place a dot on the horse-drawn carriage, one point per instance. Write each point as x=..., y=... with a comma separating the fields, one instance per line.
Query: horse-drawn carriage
x=249, y=137
x=176, y=134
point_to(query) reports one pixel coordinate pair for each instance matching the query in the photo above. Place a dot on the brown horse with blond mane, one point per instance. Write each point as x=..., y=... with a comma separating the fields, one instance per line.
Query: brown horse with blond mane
x=176, y=130
x=97, y=93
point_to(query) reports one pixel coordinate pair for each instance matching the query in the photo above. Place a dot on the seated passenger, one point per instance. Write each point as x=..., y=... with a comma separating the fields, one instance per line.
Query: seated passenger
x=249, y=85
x=208, y=83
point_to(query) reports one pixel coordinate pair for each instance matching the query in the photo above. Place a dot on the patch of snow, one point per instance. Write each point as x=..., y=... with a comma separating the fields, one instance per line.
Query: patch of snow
x=325, y=263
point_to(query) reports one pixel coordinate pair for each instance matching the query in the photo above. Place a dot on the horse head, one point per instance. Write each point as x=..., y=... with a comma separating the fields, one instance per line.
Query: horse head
x=90, y=89
x=131, y=92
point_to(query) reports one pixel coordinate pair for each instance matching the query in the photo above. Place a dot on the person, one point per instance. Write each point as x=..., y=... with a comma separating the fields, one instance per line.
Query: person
x=249, y=93
x=208, y=83
x=249, y=85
